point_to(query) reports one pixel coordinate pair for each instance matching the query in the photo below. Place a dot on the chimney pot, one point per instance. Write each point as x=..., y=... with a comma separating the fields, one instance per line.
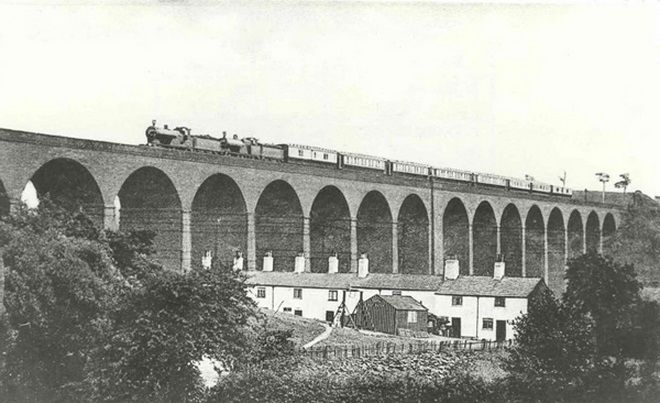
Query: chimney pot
x=333, y=264
x=268, y=261
x=363, y=266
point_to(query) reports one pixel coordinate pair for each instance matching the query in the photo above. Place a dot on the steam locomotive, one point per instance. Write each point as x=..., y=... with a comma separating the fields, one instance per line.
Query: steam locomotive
x=250, y=147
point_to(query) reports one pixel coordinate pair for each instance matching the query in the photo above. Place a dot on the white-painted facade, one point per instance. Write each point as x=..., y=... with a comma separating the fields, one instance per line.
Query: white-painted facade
x=474, y=309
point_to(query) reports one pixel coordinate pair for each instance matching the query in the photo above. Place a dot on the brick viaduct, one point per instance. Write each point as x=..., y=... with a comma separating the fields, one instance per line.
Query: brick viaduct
x=197, y=202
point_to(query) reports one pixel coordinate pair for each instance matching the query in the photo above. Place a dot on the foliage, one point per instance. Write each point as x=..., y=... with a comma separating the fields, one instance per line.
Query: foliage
x=605, y=291
x=576, y=349
x=92, y=317
x=637, y=238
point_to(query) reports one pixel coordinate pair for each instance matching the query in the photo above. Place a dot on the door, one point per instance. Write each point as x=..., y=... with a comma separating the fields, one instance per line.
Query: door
x=500, y=330
x=329, y=316
x=456, y=327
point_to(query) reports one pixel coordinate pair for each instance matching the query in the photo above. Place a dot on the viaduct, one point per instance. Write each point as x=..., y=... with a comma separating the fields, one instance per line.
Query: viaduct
x=197, y=202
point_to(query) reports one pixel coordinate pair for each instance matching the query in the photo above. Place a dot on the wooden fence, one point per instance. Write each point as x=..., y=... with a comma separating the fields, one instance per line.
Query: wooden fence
x=382, y=348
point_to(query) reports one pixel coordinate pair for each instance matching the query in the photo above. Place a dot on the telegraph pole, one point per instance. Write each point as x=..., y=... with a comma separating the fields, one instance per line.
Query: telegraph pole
x=604, y=178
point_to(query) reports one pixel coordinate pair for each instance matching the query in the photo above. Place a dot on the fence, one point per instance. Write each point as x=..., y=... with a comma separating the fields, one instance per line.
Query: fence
x=403, y=348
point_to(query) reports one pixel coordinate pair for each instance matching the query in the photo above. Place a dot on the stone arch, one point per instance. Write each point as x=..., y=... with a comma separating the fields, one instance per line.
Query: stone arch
x=218, y=220
x=575, y=232
x=69, y=184
x=511, y=238
x=374, y=231
x=278, y=225
x=456, y=233
x=413, y=236
x=534, y=243
x=330, y=230
x=484, y=239
x=5, y=205
x=609, y=228
x=149, y=201
x=593, y=232
x=556, y=250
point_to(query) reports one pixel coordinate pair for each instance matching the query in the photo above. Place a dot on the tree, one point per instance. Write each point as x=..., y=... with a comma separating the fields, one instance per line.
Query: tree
x=605, y=291
x=637, y=238
x=624, y=182
x=92, y=317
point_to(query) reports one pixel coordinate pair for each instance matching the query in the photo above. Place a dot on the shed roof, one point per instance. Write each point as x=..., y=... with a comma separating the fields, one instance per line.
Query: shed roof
x=485, y=286
x=402, y=302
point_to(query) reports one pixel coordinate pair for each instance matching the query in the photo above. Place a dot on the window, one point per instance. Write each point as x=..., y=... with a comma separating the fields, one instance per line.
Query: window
x=332, y=295
x=457, y=300
x=488, y=324
x=297, y=293
x=261, y=292
x=325, y=156
x=500, y=301
x=300, y=153
x=396, y=292
x=412, y=316
x=288, y=310
x=298, y=312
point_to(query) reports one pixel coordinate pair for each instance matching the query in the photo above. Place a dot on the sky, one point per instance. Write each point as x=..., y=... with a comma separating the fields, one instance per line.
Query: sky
x=513, y=89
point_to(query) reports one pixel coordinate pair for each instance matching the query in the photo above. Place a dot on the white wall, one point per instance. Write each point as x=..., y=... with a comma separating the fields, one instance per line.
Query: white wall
x=314, y=302
x=471, y=323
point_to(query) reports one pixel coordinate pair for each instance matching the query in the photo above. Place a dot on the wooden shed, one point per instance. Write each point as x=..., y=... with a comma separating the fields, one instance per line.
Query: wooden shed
x=391, y=313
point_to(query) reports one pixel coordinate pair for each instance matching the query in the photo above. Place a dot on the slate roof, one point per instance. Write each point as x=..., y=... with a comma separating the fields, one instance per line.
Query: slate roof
x=408, y=282
x=339, y=281
x=483, y=286
x=402, y=302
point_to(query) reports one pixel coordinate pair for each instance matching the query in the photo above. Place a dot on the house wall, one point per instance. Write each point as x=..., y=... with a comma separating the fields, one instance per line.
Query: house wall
x=472, y=322
x=314, y=302
x=487, y=309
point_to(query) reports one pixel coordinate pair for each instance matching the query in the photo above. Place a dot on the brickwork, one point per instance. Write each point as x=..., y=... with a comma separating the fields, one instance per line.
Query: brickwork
x=184, y=226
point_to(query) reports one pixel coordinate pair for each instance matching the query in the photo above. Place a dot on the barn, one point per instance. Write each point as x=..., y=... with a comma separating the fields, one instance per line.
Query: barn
x=394, y=314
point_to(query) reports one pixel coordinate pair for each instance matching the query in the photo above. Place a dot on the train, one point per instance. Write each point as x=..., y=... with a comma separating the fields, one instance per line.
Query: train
x=250, y=147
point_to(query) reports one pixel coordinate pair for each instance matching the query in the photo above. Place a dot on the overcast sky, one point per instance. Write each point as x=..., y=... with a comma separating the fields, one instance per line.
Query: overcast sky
x=506, y=89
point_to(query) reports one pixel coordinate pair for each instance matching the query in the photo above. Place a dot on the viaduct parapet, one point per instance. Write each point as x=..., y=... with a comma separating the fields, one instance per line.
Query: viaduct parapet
x=198, y=202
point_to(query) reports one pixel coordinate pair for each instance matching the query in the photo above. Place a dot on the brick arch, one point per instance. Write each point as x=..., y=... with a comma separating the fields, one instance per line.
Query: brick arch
x=456, y=233
x=511, y=235
x=413, y=236
x=592, y=232
x=150, y=201
x=608, y=231
x=374, y=231
x=484, y=239
x=278, y=219
x=556, y=250
x=70, y=184
x=330, y=230
x=218, y=220
x=534, y=242
x=575, y=234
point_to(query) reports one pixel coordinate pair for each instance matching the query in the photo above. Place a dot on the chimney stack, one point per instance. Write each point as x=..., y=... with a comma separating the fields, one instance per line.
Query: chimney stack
x=238, y=261
x=363, y=266
x=207, y=260
x=268, y=261
x=499, y=268
x=452, y=268
x=299, y=266
x=333, y=264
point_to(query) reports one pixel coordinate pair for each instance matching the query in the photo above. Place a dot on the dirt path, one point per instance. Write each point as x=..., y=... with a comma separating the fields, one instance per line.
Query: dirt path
x=320, y=337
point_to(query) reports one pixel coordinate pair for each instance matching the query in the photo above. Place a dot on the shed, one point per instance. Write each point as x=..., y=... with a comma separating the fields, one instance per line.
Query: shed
x=391, y=314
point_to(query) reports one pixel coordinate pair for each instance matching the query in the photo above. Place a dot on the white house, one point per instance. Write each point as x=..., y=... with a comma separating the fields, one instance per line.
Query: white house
x=484, y=307
x=475, y=306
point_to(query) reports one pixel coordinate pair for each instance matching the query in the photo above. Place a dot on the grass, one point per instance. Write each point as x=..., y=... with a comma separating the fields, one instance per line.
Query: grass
x=346, y=337
x=304, y=329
